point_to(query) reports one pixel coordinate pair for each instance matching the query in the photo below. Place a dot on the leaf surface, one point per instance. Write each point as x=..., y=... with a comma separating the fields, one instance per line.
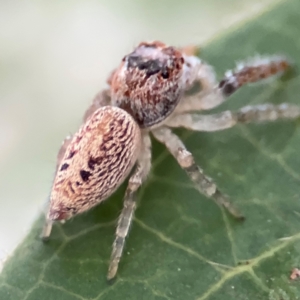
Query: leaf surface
x=182, y=245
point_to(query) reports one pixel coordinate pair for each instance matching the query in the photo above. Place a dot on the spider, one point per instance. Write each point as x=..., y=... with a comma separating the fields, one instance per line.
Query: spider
x=147, y=94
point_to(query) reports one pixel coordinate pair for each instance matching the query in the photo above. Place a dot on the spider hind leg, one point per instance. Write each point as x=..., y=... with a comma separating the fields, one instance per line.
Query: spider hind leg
x=203, y=183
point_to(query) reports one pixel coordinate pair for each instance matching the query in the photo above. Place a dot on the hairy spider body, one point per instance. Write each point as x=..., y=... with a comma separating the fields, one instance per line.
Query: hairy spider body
x=147, y=94
x=95, y=162
x=148, y=83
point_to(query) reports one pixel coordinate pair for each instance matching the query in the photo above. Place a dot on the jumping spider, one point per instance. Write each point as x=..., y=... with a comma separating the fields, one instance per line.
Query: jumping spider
x=147, y=95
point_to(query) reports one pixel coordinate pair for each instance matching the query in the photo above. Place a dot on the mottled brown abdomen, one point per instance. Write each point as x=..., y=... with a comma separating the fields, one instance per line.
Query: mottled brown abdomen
x=96, y=162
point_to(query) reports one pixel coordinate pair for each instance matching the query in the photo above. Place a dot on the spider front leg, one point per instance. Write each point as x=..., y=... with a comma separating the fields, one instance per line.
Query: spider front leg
x=248, y=114
x=140, y=174
x=196, y=70
x=186, y=160
x=251, y=71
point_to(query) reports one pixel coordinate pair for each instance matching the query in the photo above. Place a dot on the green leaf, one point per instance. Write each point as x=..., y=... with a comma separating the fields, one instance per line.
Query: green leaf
x=182, y=245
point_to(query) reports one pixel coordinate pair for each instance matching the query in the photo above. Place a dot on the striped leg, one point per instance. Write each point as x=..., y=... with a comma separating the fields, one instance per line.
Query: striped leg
x=251, y=71
x=226, y=119
x=186, y=160
x=126, y=217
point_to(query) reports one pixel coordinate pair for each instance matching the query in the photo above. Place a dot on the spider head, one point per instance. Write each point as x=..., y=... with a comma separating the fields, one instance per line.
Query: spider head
x=148, y=83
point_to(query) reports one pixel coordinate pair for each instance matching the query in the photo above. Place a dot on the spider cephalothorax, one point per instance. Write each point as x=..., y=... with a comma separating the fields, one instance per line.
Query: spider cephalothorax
x=147, y=94
x=148, y=83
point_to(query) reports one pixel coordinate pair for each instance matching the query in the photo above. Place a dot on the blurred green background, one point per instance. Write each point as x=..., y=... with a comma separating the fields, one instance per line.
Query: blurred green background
x=54, y=57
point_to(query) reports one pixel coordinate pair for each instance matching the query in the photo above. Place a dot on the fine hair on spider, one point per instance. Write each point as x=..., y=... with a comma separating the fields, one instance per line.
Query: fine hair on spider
x=147, y=94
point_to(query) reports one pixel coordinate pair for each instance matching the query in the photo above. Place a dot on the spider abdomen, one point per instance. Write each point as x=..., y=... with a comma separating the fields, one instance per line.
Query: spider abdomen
x=96, y=162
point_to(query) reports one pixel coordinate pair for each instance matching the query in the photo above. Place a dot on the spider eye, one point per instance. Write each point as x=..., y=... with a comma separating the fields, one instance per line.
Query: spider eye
x=165, y=74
